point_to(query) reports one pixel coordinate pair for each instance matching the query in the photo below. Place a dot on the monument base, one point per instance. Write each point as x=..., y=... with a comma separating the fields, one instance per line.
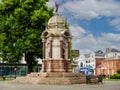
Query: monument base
x=52, y=78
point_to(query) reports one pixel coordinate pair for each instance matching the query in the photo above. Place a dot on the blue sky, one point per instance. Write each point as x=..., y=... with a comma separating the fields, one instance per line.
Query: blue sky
x=95, y=24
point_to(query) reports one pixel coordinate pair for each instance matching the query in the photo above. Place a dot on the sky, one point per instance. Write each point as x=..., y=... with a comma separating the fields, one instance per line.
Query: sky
x=94, y=24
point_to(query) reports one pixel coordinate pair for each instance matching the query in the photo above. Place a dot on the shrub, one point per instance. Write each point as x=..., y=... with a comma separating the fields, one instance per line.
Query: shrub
x=115, y=76
x=118, y=71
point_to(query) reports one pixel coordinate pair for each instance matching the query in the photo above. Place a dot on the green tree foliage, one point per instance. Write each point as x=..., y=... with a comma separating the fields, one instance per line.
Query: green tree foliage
x=21, y=25
x=73, y=56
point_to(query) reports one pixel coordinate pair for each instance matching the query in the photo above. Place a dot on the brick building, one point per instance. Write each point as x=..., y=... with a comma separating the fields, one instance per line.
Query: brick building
x=99, y=57
x=111, y=62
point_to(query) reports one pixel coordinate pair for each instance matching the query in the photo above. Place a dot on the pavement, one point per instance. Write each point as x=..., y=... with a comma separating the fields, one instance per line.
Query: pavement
x=107, y=85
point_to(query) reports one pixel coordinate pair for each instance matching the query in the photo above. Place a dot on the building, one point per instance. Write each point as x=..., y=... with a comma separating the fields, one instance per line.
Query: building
x=111, y=62
x=87, y=63
x=99, y=57
x=101, y=63
x=16, y=69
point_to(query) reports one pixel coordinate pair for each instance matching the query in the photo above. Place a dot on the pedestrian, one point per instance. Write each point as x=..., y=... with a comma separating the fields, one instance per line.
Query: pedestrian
x=100, y=79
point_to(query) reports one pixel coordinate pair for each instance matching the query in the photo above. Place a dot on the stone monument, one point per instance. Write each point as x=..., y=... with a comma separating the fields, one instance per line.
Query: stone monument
x=56, y=46
x=56, y=63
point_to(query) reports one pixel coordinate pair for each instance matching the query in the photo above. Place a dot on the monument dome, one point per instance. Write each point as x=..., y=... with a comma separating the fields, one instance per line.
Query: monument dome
x=57, y=21
x=57, y=26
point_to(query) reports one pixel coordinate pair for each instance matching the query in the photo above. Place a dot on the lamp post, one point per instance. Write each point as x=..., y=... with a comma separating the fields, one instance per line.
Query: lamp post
x=15, y=69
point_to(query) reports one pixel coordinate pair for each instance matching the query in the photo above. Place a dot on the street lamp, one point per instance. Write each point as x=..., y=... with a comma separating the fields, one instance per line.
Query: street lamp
x=15, y=69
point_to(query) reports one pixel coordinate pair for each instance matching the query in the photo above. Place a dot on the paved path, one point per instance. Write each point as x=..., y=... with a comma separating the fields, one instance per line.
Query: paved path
x=108, y=85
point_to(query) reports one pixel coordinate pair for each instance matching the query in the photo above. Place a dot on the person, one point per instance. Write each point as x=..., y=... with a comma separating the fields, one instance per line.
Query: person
x=100, y=79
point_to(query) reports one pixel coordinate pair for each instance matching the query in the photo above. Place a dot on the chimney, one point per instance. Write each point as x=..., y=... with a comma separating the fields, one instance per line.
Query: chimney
x=107, y=50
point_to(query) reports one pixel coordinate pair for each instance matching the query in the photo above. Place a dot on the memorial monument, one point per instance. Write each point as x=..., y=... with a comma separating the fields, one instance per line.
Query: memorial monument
x=56, y=63
x=56, y=46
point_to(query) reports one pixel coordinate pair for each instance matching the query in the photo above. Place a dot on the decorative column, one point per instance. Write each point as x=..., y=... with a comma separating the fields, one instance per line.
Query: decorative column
x=43, y=60
x=68, y=50
x=49, y=62
x=44, y=50
x=61, y=49
x=51, y=49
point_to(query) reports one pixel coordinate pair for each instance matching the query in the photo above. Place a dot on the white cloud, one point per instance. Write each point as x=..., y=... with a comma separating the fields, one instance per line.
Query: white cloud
x=89, y=9
x=116, y=23
x=82, y=40
x=110, y=37
x=86, y=42
x=77, y=31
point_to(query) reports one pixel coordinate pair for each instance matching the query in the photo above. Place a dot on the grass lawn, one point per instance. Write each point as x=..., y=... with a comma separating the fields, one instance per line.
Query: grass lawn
x=108, y=79
x=6, y=79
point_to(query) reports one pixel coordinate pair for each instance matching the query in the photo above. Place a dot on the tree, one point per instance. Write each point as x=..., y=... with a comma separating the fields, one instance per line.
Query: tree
x=73, y=55
x=21, y=25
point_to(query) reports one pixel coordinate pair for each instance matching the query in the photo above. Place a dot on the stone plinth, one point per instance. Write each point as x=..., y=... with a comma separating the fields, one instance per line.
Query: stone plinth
x=52, y=78
x=56, y=66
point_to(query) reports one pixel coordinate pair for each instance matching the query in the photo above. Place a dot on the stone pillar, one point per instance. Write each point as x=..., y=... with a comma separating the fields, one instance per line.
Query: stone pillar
x=61, y=49
x=49, y=62
x=51, y=49
x=43, y=60
x=44, y=50
x=68, y=50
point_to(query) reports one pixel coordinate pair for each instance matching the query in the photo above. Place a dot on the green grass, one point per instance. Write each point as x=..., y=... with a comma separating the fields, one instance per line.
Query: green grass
x=7, y=79
x=108, y=79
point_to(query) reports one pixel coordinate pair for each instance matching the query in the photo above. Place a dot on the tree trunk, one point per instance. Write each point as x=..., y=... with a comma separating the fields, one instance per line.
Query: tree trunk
x=29, y=59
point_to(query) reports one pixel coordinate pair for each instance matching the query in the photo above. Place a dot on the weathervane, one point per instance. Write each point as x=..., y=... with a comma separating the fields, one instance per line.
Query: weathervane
x=56, y=7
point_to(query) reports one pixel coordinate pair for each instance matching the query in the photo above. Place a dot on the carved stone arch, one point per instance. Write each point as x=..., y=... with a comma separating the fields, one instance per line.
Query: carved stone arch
x=67, y=33
x=44, y=34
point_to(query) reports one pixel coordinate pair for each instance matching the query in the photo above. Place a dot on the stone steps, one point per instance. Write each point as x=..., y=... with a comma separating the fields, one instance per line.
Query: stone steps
x=52, y=78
